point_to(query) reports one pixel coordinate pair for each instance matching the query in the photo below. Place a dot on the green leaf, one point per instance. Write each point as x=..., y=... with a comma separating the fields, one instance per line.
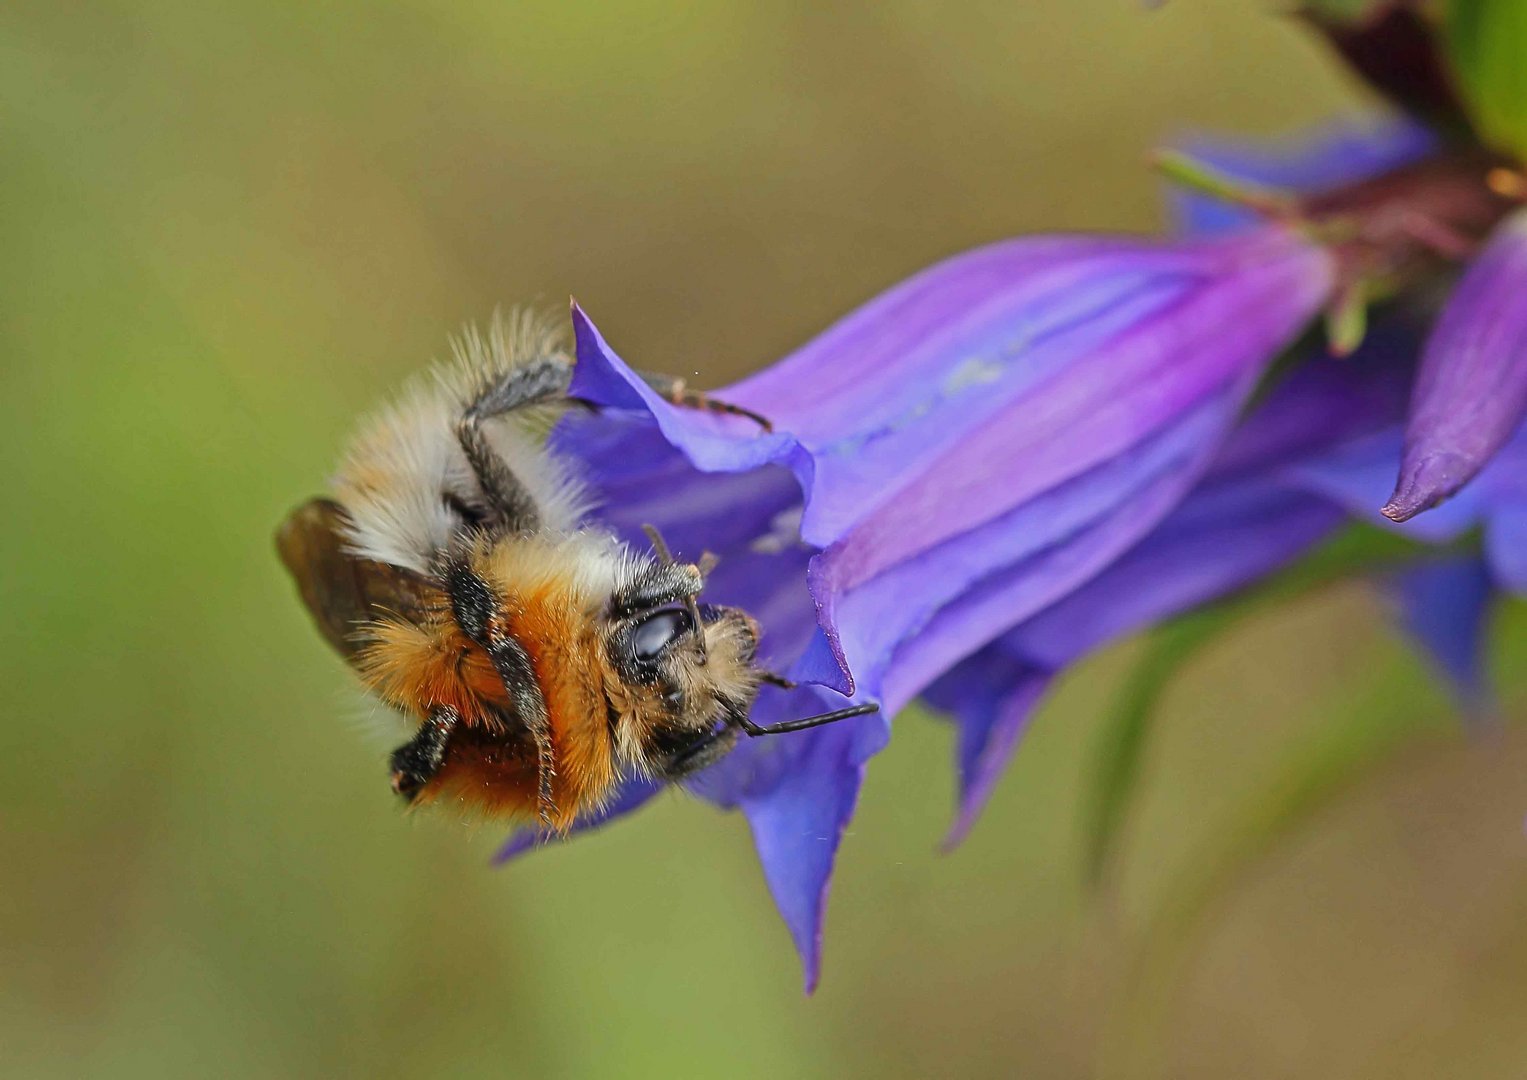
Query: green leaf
x=1487, y=42
x=1121, y=747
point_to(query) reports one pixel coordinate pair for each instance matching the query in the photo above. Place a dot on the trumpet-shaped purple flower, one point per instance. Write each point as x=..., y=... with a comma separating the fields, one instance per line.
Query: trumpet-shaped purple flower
x=959, y=455
x=1471, y=390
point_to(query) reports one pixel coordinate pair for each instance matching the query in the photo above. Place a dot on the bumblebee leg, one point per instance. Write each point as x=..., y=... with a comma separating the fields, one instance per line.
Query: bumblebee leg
x=541, y=381
x=705, y=751
x=415, y=763
x=481, y=618
x=544, y=381
x=676, y=392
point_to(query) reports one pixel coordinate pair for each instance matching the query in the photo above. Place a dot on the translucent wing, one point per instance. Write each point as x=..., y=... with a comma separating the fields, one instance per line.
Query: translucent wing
x=343, y=592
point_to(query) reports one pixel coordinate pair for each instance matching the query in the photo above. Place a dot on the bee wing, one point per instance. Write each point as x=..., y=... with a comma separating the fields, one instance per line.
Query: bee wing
x=343, y=592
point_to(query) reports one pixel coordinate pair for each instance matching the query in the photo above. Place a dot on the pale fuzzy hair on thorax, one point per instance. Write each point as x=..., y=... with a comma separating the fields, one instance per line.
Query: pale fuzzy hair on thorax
x=586, y=567
x=405, y=459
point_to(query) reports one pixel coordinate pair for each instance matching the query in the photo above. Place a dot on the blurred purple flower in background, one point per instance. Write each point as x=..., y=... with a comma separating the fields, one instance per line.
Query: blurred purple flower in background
x=1470, y=392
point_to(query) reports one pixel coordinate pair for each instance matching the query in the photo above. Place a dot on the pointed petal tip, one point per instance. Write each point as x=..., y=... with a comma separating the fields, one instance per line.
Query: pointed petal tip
x=808, y=947
x=956, y=835
x=973, y=799
x=1424, y=483
x=517, y=844
x=1470, y=392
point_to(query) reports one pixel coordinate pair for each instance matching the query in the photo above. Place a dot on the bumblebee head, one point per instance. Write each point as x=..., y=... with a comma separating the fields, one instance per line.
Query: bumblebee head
x=685, y=671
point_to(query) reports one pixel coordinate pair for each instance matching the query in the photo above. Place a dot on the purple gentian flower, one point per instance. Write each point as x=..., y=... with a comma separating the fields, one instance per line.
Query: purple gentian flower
x=959, y=455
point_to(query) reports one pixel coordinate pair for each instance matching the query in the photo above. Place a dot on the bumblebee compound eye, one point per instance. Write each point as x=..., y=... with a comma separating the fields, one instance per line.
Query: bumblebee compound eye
x=651, y=636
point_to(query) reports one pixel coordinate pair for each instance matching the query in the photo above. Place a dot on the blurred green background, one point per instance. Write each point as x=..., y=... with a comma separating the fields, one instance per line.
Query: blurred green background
x=228, y=229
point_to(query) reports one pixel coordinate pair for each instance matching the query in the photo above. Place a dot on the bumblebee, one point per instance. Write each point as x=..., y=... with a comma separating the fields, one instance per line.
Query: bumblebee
x=539, y=659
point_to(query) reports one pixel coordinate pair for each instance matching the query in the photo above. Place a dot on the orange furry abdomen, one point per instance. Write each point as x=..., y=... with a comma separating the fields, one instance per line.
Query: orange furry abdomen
x=417, y=668
x=490, y=760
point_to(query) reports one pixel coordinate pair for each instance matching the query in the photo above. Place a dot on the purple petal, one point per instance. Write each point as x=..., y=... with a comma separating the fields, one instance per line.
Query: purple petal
x=1356, y=475
x=797, y=827
x=991, y=697
x=1471, y=390
x=1231, y=309
x=1506, y=546
x=1332, y=155
x=963, y=626
x=1503, y=485
x=912, y=621
x=1220, y=540
x=1324, y=404
x=633, y=794
x=1444, y=606
x=1241, y=524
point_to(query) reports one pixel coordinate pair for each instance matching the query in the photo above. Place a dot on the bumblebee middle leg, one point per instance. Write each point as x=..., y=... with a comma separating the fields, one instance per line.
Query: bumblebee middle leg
x=478, y=612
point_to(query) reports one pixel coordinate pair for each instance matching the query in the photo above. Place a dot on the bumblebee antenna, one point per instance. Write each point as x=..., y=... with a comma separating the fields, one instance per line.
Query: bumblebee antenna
x=691, y=603
x=802, y=724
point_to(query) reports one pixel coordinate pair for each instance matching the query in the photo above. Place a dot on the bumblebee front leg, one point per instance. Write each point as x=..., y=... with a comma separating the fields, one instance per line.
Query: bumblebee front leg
x=416, y=762
x=676, y=391
x=703, y=752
